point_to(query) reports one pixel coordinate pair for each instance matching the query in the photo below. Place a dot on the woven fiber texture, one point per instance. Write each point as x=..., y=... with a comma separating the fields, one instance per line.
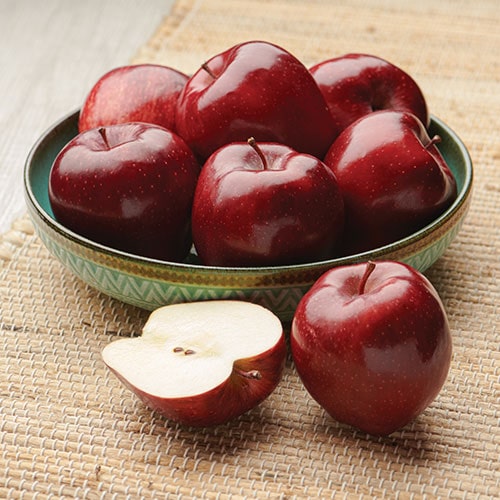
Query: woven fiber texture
x=68, y=429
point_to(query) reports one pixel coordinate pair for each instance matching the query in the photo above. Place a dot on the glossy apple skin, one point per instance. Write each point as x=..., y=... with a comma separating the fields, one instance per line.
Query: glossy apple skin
x=134, y=93
x=374, y=360
x=130, y=188
x=237, y=395
x=393, y=179
x=355, y=85
x=247, y=215
x=259, y=90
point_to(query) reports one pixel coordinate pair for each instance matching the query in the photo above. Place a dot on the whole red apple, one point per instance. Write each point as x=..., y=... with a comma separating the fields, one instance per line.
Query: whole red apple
x=254, y=89
x=372, y=345
x=392, y=177
x=128, y=186
x=265, y=204
x=357, y=84
x=202, y=363
x=134, y=93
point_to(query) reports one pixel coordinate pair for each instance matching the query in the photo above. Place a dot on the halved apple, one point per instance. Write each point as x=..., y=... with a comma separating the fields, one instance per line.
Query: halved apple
x=202, y=363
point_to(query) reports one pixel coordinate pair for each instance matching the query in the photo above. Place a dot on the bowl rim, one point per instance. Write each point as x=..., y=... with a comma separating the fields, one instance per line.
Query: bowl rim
x=377, y=253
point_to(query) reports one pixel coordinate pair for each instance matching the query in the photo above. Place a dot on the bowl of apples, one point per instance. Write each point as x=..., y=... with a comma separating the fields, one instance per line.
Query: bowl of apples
x=233, y=183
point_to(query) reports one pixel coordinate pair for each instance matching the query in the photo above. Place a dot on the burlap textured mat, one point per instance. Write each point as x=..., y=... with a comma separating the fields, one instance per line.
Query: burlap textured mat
x=69, y=429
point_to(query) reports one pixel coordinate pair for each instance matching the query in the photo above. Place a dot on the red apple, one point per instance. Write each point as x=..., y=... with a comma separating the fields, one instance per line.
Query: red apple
x=202, y=363
x=392, y=177
x=372, y=345
x=135, y=93
x=263, y=205
x=128, y=186
x=254, y=89
x=357, y=84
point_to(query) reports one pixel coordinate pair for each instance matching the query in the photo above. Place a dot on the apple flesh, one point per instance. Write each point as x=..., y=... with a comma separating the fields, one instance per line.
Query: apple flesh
x=127, y=186
x=134, y=93
x=372, y=345
x=393, y=179
x=254, y=89
x=202, y=363
x=264, y=204
x=355, y=85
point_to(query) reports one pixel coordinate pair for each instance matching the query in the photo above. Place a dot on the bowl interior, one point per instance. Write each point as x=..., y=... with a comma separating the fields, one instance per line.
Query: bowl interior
x=44, y=155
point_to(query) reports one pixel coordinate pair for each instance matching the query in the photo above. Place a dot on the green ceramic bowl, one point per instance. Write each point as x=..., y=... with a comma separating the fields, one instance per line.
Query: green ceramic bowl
x=149, y=283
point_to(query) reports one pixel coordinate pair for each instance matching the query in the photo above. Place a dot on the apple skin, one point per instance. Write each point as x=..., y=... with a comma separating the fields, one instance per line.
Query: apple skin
x=128, y=186
x=257, y=89
x=134, y=93
x=237, y=395
x=373, y=360
x=357, y=84
x=393, y=179
x=245, y=214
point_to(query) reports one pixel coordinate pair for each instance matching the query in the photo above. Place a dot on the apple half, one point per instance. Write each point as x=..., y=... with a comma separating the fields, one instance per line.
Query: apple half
x=202, y=363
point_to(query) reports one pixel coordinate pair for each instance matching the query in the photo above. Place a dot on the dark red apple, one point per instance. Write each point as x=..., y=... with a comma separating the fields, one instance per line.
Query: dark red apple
x=128, y=186
x=357, y=84
x=202, y=363
x=372, y=345
x=134, y=93
x=265, y=204
x=254, y=89
x=392, y=177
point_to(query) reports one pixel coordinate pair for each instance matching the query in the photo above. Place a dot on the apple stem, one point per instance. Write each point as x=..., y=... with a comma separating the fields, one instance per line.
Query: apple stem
x=257, y=149
x=435, y=140
x=102, y=131
x=252, y=374
x=208, y=70
x=370, y=266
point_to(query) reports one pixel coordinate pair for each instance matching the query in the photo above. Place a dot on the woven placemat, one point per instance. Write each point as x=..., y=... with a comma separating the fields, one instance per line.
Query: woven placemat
x=69, y=429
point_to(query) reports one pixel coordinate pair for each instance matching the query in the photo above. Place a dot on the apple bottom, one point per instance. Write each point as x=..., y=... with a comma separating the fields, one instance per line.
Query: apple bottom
x=252, y=380
x=158, y=233
x=376, y=403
